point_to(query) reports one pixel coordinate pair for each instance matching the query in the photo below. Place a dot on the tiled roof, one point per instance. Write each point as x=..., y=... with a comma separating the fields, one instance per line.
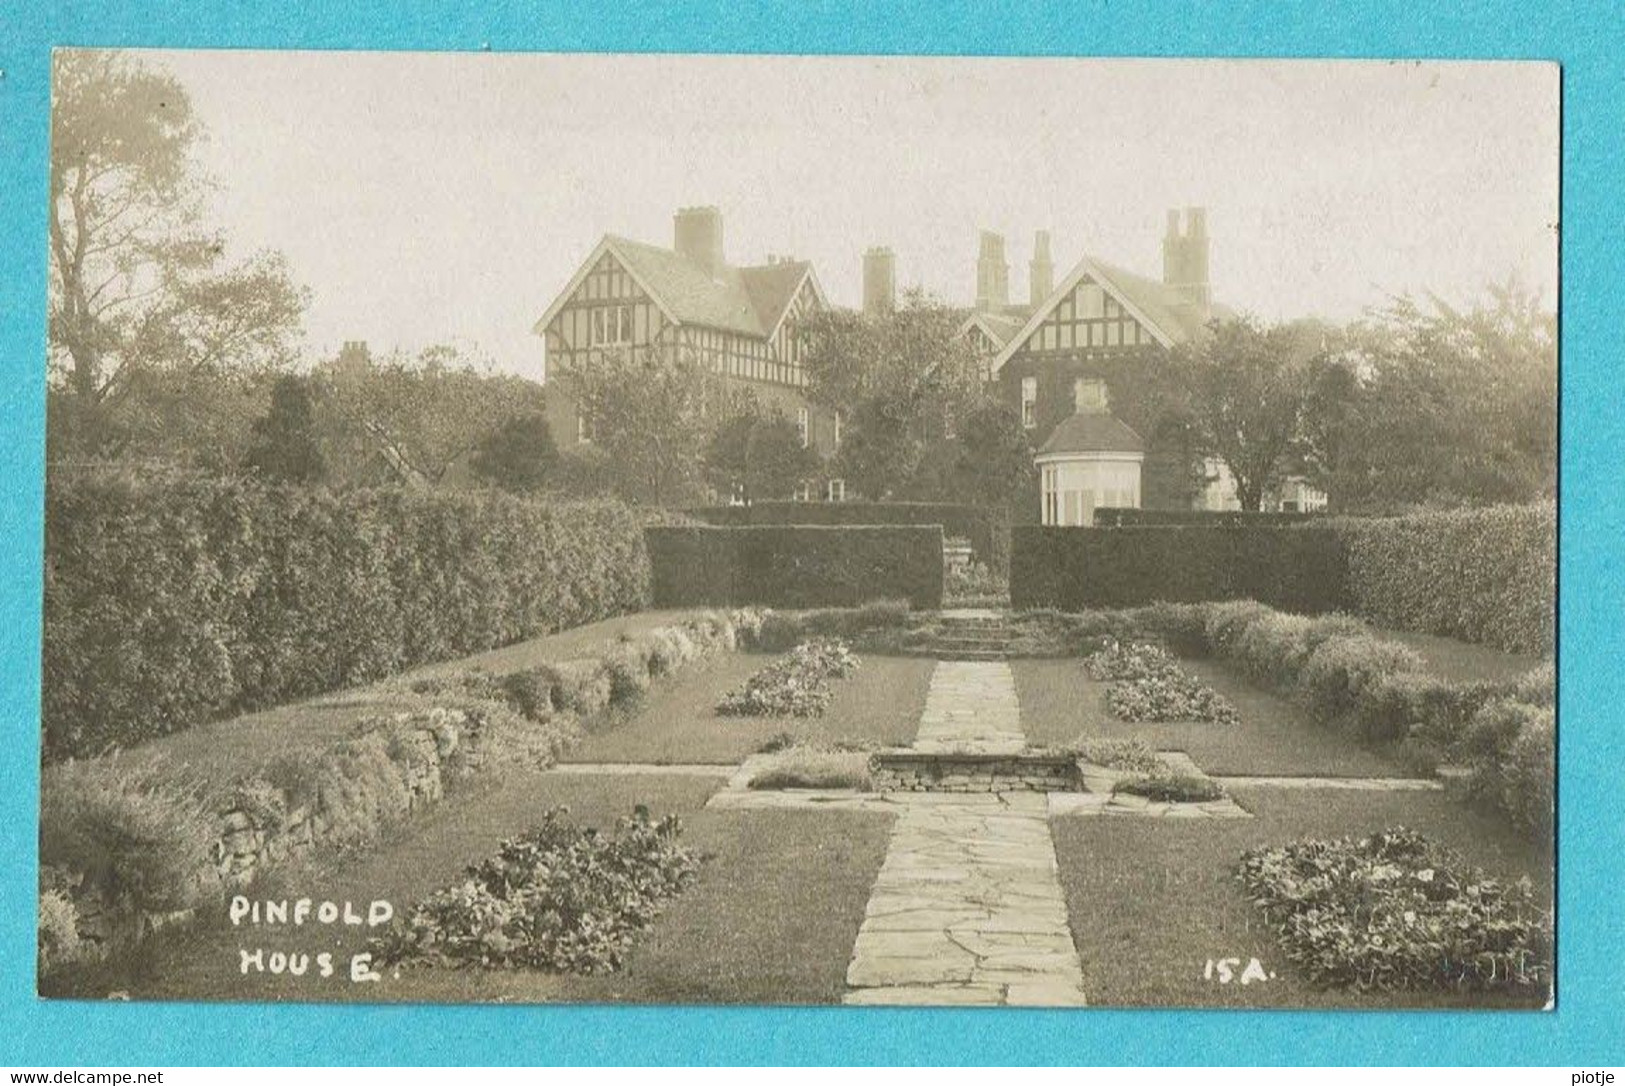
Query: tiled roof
x=748, y=300
x=1001, y=326
x=1159, y=302
x=1092, y=432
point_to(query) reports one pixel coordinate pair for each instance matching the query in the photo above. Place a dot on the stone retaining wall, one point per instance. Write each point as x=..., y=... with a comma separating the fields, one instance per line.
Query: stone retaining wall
x=912, y=771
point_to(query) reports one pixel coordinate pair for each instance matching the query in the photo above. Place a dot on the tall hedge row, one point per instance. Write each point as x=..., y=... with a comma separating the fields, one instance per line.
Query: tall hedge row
x=1484, y=575
x=988, y=530
x=796, y=566
x=169, y=601
x=1300, y=569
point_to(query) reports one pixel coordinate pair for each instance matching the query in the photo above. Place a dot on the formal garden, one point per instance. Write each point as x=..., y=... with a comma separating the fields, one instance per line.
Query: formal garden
x=445, y=748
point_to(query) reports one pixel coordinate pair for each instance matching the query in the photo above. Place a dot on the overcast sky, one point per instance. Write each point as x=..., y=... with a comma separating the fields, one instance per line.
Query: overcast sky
x=431, y=198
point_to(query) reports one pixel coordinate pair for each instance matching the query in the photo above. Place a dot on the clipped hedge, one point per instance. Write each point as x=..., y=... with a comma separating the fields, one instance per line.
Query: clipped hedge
x=1075, y=569
x=1483, y=575
x=1114, y=517
x=796, y=566
x=988, y=530
x=176, y=599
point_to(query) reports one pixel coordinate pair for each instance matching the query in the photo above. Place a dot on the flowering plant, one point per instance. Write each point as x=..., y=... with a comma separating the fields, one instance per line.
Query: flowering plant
x=1394, y=911
x=796, y=684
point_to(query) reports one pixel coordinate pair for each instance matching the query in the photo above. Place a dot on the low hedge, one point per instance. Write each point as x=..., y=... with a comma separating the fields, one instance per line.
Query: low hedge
x=796, y=567
x=1079, y=568
x=1380, y=691
x=988, y=530
x=1482, y=575
x=176, y=599
x=122, y=844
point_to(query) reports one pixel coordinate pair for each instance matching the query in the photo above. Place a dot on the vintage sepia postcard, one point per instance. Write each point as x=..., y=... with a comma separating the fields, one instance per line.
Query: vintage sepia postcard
x=944, y=531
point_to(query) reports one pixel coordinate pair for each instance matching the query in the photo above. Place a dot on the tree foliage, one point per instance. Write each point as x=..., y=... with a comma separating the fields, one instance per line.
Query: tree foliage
x=1435, y=405
x=1246, y=385
x=415, y=419
x=137, y=284
x=648, y=414
x=756, y=453
x=285, y=446
x=518, y=456
x=905, y=382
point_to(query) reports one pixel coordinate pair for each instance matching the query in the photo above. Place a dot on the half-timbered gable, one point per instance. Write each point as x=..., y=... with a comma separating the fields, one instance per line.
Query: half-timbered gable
x=741, y=322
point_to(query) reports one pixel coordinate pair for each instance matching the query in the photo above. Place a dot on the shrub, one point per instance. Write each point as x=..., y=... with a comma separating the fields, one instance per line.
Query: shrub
x=798, y=766
x=1343, y=669
x=796, y=567
x=58, y=939
x=780, y=630
x=580, y=686
x=974, y=580
x=1122, y=755
x=1172, y=788
x=1225, y=622
x=1393, y=911
x=1483, y=575
x=560, y=898
x=173, y=599
x=138, y=838
x=1511, y=747
x=796, y=684
x=628, y=675
x=529, y=692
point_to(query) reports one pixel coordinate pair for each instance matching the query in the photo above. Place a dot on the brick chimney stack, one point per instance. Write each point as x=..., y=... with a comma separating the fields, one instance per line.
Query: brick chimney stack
x=879, y=282
x=1041, y=272
x=697, y=234
x=1185, y=260
x=992, y=273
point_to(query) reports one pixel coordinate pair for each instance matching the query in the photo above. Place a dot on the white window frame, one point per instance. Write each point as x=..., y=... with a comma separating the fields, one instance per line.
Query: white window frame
x=1029, y=402
x=837, y=435
x=583, y=429
x=804, y=427
x=802, y=492
x=606, y=316
x=835, y=490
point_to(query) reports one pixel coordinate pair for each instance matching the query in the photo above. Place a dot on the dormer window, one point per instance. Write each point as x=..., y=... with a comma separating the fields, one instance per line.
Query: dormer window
x=611, y=325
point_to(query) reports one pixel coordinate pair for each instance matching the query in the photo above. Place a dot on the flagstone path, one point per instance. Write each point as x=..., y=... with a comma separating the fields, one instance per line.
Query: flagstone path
x=967, y=908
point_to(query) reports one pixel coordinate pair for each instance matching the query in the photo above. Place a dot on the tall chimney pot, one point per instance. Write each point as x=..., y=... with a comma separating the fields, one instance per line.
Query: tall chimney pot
x=1041, y=272
x=992, y=273
x=879, y=282
x=697, y=234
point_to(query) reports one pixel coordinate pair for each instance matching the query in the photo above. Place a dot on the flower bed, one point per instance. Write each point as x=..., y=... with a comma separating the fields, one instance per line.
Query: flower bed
x=796, y=684
x=1166, y=787
x=1394, y=911
x=808, y=766
x=1148, y=685
x=562, y=898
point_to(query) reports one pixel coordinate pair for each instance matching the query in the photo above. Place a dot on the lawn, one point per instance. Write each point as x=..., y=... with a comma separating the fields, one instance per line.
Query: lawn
x=1152, y=900
x=678, y=722
x=221, y=751
x=771, y=918
x=1461, y=661
x=1059, y=702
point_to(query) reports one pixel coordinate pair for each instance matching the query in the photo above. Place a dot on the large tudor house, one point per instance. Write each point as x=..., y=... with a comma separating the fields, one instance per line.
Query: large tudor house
x=1071, y=359
x=635, y=298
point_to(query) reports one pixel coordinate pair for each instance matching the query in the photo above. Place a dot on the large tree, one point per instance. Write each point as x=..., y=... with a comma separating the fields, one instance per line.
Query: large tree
x=518, y=456
x=1431, y=404
x=416, y=419
x=284, y=444
x=651, y=415
x=903, y=382
x=1246, y=385
x=137, y=284
x=756, y=453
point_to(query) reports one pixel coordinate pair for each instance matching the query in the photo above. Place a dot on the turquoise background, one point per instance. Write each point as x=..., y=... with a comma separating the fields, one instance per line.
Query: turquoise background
x=1586, y=1027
